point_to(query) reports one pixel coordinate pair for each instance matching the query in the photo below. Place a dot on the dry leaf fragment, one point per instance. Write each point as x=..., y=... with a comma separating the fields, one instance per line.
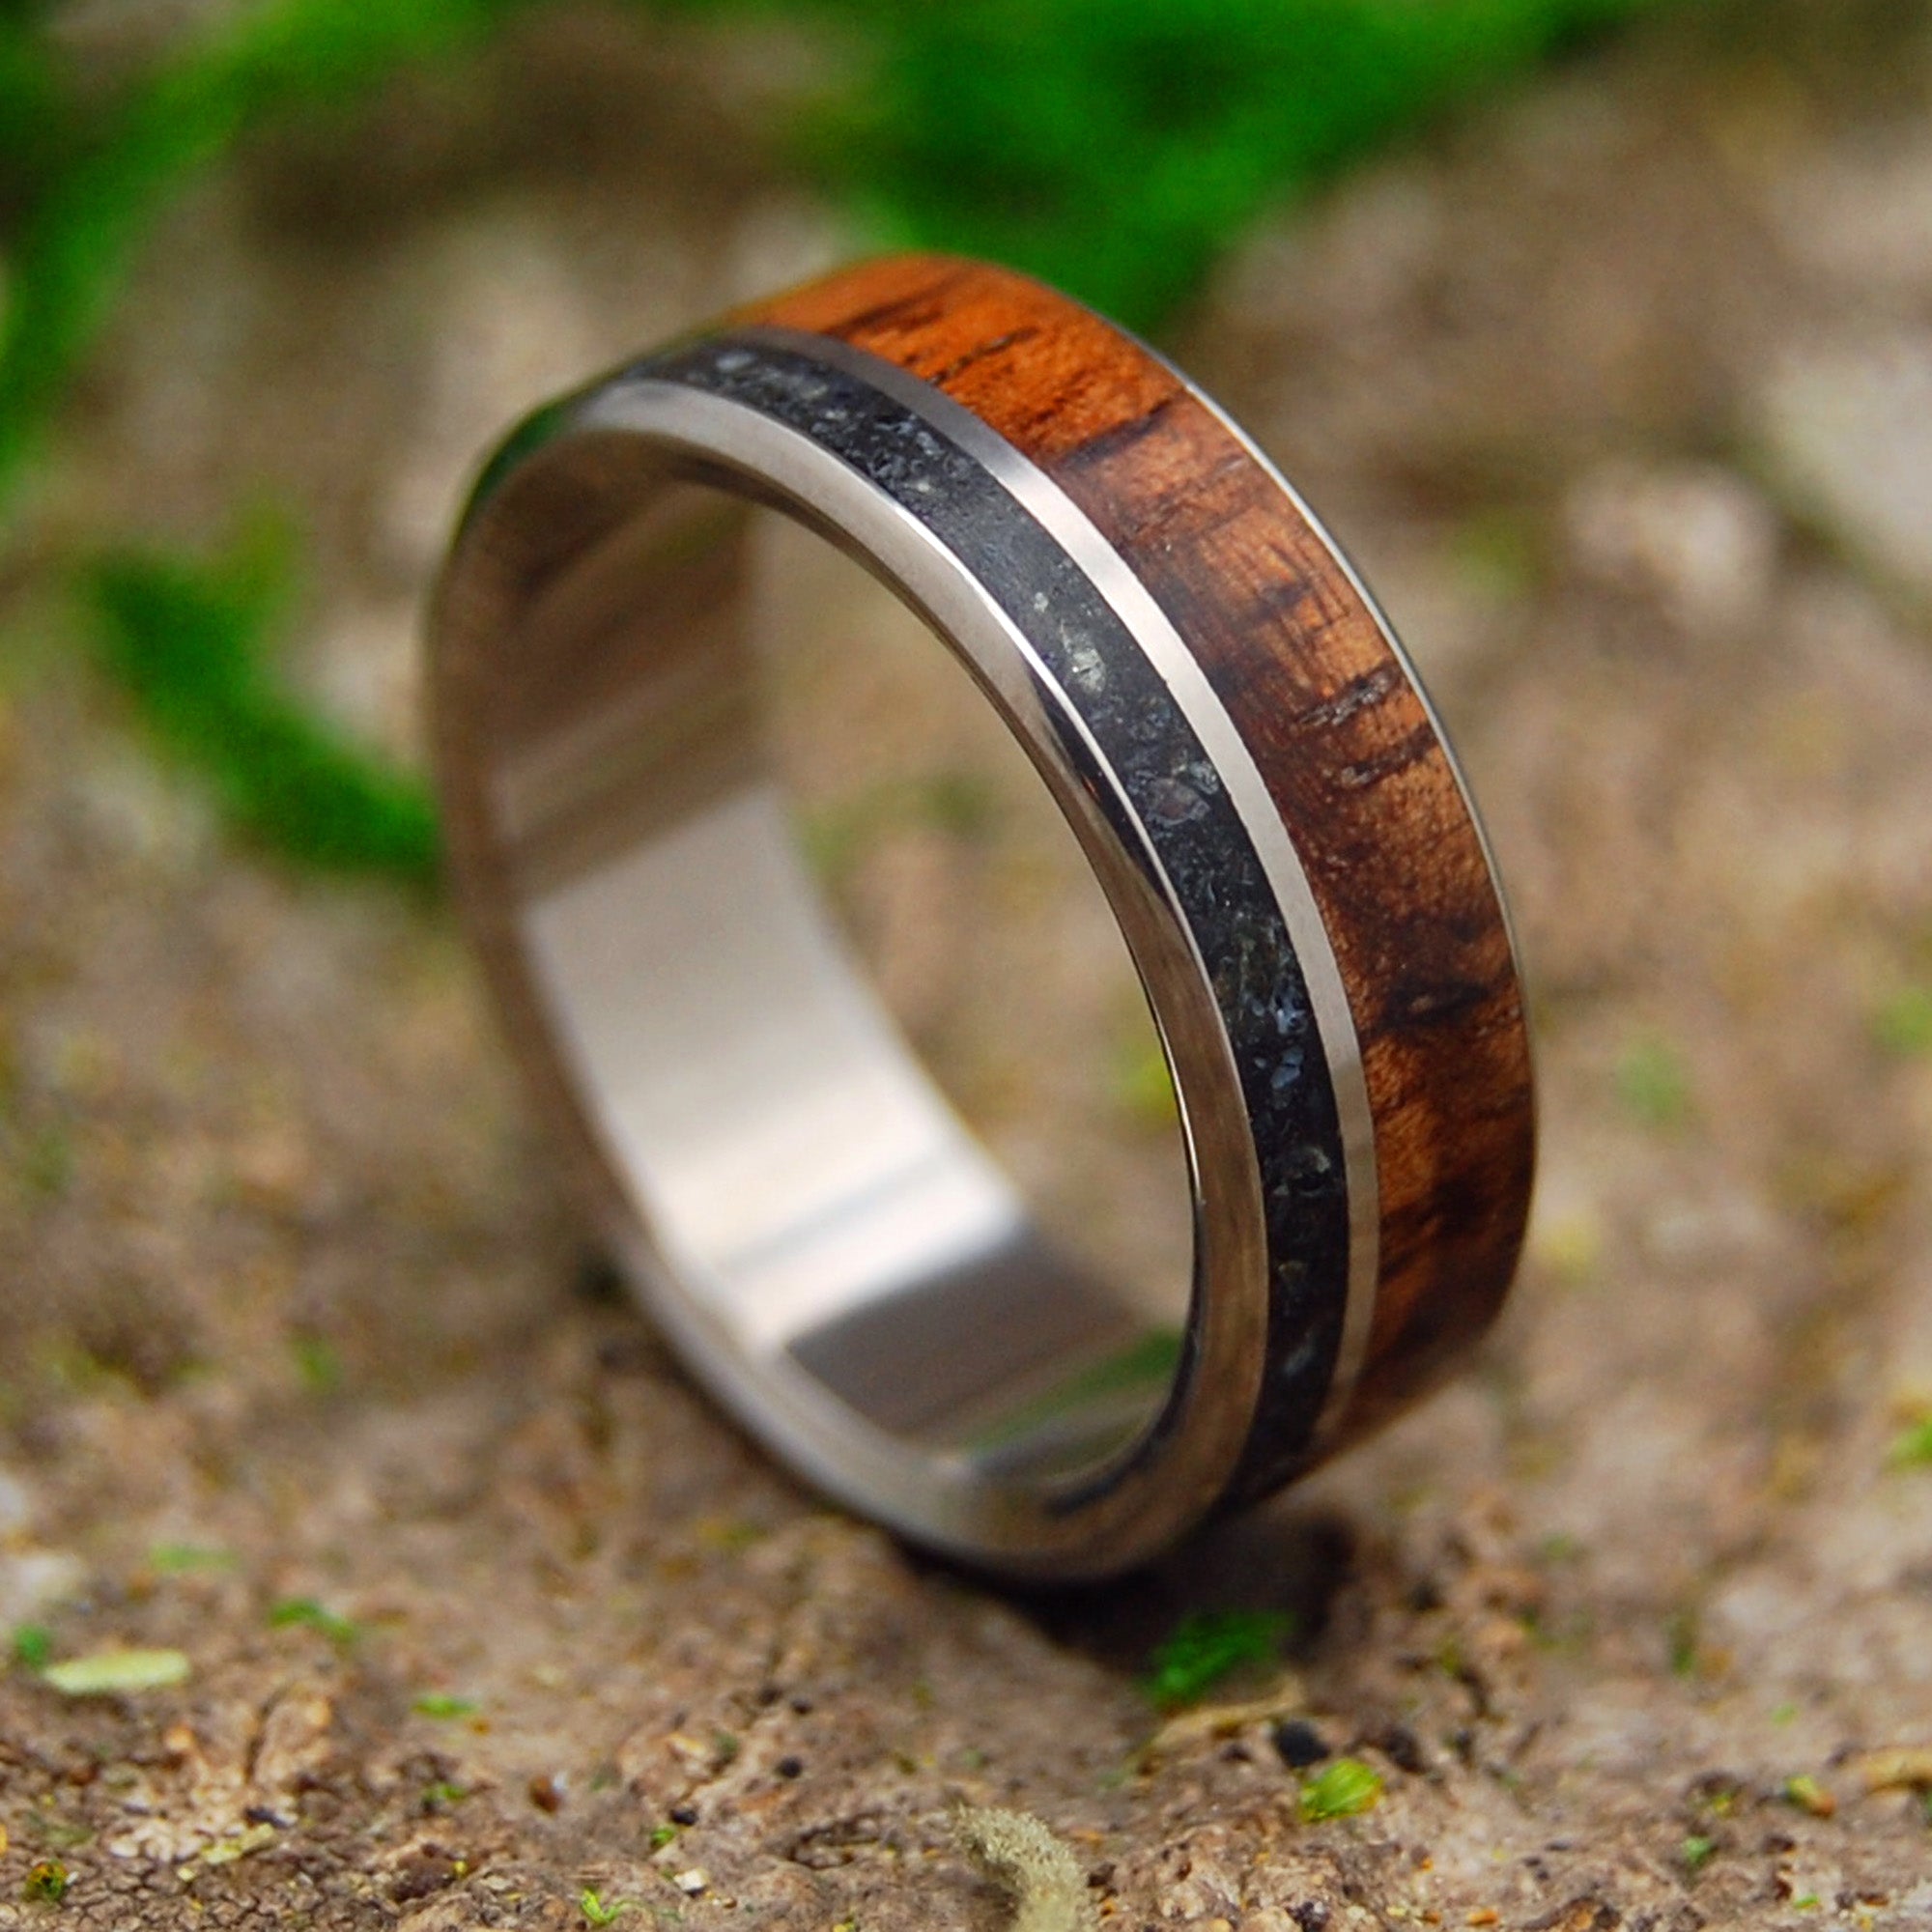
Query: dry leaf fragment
x=107, y=1673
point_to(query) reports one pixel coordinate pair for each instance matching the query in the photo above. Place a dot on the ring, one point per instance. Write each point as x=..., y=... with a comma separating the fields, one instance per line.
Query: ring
x=1253, y=772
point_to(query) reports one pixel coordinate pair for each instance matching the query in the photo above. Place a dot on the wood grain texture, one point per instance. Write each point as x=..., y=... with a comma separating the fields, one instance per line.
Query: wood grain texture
x=1341, y=735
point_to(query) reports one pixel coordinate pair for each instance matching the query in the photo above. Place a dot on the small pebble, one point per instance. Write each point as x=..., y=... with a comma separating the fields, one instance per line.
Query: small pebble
x=1401, y=1747
x=1299, y=1744
x=684, y=1815
x=789, y=1767
x=691, y=1883
x=547, y=1792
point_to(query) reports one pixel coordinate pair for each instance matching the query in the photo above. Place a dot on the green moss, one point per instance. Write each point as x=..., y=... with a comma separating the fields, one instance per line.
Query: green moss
x=1912, y=1446
x=32, y=1647
x=305, y=1613
x=597, y=1913
x=1696, y=1853
x=45, y=1883
x=184, y=1559
x=1209, y=1646
x=1902, y=1025
x=1683, y=1629
x=1805, y=1793
x=1653, y=1084
x=441, y=1705
x=317, y=1364
x=1341, y=1790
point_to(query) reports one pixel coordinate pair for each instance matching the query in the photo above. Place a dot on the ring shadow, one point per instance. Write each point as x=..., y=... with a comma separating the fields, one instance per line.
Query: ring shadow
x=1277, y=1561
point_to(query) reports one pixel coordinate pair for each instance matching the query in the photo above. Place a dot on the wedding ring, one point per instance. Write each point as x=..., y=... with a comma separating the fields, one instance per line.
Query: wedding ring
x=1252, y=771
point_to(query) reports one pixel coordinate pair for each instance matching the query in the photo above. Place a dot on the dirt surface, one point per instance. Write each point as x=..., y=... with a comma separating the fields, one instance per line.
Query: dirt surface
x=1619, y=393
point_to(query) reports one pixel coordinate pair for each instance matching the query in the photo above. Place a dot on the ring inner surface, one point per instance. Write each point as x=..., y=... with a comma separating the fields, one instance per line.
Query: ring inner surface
x=809, y=1197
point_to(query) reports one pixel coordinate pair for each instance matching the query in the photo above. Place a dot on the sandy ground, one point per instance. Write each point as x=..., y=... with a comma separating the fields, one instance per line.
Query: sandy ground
x=1622, y=394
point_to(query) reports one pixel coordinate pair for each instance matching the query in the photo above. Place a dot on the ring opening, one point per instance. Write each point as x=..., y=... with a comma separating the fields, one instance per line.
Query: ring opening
x=844, y=1005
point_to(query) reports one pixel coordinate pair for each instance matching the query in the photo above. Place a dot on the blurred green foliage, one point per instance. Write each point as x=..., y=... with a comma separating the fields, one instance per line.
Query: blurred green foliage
x=185, y=638
x=86, y=164
x=1114, y=147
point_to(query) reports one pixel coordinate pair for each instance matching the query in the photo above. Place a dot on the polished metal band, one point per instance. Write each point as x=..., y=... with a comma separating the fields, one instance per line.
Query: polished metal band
x=799, y=1207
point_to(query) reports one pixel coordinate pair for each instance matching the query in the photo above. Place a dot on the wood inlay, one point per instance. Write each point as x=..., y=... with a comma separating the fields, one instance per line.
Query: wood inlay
x=1341, y=736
